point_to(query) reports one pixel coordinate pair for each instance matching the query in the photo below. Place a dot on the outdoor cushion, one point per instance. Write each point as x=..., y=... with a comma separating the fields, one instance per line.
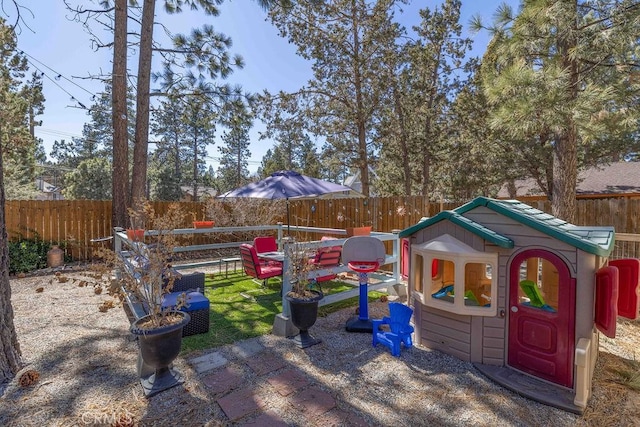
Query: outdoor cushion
x=265, y=244
x=195, y=301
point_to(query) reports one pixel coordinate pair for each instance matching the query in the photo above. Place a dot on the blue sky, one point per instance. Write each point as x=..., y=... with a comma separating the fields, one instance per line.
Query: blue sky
x=60, y=47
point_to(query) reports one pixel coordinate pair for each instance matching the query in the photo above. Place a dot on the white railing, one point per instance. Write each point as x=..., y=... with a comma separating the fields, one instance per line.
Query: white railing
x=381, y=280
x=626, y=246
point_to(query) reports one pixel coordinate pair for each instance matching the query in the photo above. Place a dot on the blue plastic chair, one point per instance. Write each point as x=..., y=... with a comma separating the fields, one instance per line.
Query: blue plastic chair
x=399, y=328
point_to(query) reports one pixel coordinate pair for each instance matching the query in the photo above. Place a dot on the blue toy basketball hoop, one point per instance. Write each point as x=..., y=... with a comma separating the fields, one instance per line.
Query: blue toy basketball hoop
x=363, y=255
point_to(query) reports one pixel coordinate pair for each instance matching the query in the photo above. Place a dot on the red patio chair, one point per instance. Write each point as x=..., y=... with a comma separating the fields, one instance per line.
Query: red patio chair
x=254, y=268
x=327, y=257
x=265, y=244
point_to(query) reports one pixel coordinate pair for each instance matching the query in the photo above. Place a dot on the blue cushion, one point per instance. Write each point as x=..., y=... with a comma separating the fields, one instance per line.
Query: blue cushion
x=195, y=301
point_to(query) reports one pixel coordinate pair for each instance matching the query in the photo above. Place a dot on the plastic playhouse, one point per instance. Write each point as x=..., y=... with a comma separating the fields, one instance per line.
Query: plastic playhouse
x=520, y=293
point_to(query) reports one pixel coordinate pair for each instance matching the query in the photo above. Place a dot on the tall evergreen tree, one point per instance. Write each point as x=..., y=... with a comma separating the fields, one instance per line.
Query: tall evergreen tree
x=347, y=41
x=199, y=120
x=472, y=147
x=562, y=79
x=119, y=117
x=439, y=68
x=91, y=180
x=204, y=51
x=285, y=124
x=33, y=92
x=14, y=137
x=169, y=158
x=233, y=171
x=96, y=142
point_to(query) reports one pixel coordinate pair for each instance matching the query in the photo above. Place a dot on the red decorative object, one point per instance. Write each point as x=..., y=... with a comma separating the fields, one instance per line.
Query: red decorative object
x=135, y=235
x=607, y=300
x=358, y=231
x=629, y=287
x=203, y=224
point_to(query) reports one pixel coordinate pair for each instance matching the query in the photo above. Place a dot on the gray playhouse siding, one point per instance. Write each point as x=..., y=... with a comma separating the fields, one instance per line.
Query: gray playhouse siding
x=478, y=338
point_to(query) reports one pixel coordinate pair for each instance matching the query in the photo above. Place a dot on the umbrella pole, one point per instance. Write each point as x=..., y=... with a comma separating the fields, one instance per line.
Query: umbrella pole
x=288, y=217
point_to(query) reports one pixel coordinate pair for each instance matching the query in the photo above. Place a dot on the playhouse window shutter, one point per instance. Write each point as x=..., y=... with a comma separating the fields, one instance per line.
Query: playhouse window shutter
x=607, y=300
x=629, y=286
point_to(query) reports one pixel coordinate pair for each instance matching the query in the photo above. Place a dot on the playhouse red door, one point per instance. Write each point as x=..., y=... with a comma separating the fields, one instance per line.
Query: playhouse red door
x=541, y=317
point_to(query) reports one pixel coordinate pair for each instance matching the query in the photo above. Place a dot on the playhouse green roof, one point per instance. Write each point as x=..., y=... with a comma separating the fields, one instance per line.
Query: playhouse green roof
x=594, y=240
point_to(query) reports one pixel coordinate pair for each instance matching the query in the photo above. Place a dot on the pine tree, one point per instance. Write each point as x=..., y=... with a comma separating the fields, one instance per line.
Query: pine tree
x=233, y=171
x=77, y=156
x=199, y=119
x=91, y=180
x=347, y=41
x=14, y=138
x=167, y=169
x=561, y=78
x=422, y=88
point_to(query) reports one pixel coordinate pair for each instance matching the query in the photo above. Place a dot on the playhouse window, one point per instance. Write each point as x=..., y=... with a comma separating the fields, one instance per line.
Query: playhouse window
x=477, y=284
x=443, y=278
x=450, y=275
x=476, y=289
x=539, y=284
x=418, y=272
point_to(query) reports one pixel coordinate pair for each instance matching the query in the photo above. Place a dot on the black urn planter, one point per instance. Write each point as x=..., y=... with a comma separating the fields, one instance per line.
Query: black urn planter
x=158, y=349
x=304, y=313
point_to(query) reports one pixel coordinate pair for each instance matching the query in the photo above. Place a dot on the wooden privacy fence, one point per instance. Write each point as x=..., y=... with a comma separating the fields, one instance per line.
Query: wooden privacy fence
x=76, y=222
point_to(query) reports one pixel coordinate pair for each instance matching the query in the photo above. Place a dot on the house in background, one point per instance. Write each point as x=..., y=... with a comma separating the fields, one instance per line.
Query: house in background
x=48, y=191
x=354, y=182
x=187, y=193
x=615, y=178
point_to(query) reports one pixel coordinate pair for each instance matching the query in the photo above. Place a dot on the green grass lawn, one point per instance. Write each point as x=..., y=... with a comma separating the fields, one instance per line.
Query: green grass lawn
x=242, y=309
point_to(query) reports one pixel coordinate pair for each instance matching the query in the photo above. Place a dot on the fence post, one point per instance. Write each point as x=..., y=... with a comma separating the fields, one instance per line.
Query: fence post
x=396, y=254
x=282, y=325
x=117, y=242
x=280, y=234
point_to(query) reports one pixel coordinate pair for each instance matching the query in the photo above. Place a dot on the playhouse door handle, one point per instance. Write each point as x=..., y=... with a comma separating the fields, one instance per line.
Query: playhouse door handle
x=514, y=308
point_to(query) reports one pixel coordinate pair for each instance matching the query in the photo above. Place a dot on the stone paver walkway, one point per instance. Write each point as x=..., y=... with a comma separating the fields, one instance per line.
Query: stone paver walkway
x=247, y=385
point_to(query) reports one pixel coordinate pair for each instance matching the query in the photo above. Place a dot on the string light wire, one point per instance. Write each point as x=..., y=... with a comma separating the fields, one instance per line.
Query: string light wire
x=31, y=59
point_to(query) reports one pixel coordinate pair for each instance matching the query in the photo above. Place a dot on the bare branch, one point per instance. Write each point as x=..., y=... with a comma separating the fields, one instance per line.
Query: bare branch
x=19, y=19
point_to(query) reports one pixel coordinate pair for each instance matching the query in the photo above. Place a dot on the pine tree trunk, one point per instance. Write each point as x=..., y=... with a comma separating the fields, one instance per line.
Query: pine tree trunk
x=120, y=174
x=403, y=139
x=565, y=150
x=363, y=161
x=10, y=357
x=195, y=164
x=565, y=176
x=141, y=147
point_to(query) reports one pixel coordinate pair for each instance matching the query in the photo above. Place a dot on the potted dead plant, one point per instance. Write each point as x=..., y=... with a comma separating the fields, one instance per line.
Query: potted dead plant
x=143, y=277
x=303, y=299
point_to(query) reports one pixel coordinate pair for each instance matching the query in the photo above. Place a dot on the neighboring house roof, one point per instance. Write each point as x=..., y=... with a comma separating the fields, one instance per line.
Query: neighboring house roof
x=209, y=191
x=354, y=182
x=594, y=240
x=46, y=187
x=618, y=177
x=47, y=191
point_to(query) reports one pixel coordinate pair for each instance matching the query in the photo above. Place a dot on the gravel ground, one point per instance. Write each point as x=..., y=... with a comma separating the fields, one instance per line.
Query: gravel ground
x=86, y=364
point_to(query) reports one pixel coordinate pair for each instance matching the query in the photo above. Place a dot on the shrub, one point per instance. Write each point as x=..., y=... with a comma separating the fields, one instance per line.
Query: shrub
x=27, y=255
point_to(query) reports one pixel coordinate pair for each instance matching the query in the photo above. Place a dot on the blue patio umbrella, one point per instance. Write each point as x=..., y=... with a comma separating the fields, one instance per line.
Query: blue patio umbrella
x=291, y=185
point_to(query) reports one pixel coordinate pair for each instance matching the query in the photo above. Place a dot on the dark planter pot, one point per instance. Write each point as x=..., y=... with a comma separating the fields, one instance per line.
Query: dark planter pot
x=158, y=349
x=304, y=313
